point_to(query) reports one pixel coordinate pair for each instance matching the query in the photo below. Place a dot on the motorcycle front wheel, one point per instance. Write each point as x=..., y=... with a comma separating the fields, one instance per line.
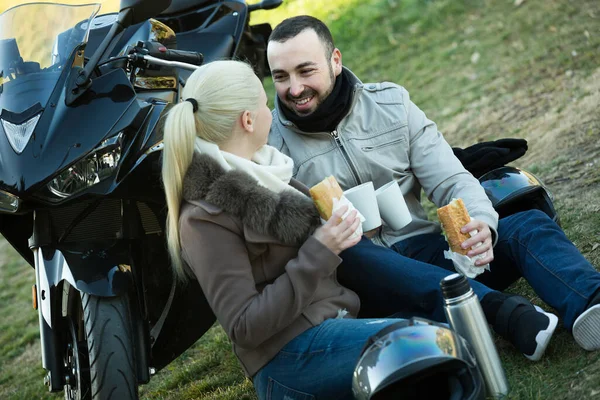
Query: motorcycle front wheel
x=99, y=357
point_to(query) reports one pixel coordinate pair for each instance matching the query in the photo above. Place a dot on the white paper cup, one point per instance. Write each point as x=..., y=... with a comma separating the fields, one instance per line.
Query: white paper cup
x=392, y=206
x=363, y=199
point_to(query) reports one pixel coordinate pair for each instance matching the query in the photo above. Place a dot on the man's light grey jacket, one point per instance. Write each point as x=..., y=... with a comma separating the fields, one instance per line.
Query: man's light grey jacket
x=385, y=137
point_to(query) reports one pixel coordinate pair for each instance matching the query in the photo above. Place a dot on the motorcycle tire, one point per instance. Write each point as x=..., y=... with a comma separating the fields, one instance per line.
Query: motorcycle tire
x=110, y=348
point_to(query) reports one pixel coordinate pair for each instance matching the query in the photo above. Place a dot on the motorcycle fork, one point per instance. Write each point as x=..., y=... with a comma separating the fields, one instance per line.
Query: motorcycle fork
x=141, y=339
x=50, y=340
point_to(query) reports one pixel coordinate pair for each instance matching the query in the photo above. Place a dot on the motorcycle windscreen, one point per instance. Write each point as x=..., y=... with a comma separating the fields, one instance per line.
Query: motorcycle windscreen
x=36, y=40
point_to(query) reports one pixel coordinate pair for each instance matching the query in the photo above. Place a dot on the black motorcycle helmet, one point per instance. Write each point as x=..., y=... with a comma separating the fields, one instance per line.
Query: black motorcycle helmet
x=512, y=190
x=417, y=359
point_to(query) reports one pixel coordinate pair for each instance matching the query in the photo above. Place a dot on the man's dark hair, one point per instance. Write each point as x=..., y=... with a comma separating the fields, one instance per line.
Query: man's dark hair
x=292, y=27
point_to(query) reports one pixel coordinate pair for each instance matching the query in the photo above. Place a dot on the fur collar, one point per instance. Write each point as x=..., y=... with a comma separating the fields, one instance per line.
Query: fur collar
x=287, y=216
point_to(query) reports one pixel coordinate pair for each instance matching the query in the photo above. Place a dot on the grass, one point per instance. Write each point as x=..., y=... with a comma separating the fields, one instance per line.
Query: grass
x=21, y=375
x=482, y=70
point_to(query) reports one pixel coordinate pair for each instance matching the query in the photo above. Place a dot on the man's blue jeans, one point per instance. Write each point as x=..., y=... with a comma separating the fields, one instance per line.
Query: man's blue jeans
x=530, y=245
x=318, y=363
x=389, y=283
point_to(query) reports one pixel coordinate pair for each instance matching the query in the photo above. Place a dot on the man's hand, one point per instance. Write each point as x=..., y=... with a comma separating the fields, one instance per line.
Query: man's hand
x=483, y=237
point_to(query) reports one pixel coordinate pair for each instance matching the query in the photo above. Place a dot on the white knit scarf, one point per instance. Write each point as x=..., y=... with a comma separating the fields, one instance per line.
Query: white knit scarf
x=271, y=168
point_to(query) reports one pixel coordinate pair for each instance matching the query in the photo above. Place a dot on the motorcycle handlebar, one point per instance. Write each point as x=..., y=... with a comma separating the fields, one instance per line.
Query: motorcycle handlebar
x=265, y=5
x=147, y=54
x=157, y=50
x=188, y=57
x=149, y=60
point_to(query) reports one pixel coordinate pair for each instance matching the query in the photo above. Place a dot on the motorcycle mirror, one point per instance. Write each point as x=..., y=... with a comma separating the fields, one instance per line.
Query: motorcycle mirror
x=131, y=12
x=141, y=10
x=265, y=5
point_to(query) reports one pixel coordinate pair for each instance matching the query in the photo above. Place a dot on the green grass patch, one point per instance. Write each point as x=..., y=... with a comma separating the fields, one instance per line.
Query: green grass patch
x=208, y=370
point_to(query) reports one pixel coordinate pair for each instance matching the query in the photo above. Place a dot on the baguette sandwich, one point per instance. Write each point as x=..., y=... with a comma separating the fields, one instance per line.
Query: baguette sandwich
x=453, y=217
x=323, y=194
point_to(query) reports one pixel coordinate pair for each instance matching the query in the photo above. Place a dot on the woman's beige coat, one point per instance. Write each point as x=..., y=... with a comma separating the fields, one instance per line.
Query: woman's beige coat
x=265, y=276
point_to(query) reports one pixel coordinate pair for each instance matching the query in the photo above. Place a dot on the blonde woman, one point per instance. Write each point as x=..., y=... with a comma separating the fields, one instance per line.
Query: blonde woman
x=252, y=237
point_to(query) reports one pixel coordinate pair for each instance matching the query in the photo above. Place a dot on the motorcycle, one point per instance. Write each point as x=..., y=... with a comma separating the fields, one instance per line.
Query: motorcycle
x=82, y=102
x=221, y=29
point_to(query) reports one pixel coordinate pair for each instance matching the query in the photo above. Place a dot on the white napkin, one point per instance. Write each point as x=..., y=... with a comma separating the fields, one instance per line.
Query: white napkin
x=465, y=264
x=343, y=201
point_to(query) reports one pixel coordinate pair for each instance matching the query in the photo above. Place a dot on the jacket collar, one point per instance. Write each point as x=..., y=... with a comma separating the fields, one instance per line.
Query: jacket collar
x=287, y=216
x=354, y=81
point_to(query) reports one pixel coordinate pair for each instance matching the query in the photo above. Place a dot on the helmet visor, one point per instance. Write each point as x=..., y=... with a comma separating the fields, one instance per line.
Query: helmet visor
x=406, y=346
x=503, y=182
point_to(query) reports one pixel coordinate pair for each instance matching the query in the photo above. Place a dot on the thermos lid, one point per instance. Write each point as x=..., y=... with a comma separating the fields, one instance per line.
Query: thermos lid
x=454, y=285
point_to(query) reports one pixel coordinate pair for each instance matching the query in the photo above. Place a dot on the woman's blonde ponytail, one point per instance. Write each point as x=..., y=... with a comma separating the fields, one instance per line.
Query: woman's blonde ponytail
x=179, y=140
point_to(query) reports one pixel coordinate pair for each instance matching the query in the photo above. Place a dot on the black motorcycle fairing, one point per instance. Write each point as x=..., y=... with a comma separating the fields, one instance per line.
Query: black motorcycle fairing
x=27, y=91
x=101, y=270
x=141, y=10
x=132, y=116
x=148, y=140
x=58, y=141
x=154, y=128
x=20, y=118
x=140, y=180
x=178, y=6
x=215, y=30
x=202, y=18
x=190, y=316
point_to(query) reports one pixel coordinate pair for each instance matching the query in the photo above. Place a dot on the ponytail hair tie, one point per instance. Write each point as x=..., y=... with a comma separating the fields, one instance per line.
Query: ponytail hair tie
x=194, y=103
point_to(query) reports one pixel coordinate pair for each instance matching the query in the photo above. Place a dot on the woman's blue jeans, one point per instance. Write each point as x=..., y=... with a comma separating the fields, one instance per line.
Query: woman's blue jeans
x=530, y=245
x=319, y=363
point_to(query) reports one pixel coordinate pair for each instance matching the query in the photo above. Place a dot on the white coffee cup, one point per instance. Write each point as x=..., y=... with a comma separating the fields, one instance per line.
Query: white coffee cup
x=363, y=199
x=392, y=206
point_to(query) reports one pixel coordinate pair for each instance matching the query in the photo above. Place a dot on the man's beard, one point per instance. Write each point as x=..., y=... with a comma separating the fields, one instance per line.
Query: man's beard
x=308, y=92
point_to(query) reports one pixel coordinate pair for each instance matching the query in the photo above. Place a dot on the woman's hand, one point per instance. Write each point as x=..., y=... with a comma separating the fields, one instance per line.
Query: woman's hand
x=483, y=238
x=336, y=234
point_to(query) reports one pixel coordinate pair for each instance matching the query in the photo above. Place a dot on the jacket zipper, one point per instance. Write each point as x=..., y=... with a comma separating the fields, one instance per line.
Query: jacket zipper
x=334, y=134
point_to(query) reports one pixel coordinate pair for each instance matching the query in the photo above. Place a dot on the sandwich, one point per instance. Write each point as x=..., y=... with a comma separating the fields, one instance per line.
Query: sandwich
x=323, y=194
x=453, y=217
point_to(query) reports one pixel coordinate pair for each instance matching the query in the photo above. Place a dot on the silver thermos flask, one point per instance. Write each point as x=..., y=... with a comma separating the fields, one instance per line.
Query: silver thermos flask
x=465, y=315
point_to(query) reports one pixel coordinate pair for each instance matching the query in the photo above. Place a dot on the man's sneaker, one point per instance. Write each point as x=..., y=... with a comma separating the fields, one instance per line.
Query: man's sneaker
x=586, y=329
x=543, y=336
x=527, y=327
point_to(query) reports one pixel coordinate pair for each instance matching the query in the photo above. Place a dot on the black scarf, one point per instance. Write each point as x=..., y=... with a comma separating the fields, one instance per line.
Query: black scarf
x=329, y=113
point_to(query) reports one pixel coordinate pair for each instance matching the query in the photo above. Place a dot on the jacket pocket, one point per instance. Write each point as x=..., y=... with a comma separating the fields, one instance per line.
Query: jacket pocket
x=277, y=391
x=382, y=145
x=388, y=136
x=388, y=149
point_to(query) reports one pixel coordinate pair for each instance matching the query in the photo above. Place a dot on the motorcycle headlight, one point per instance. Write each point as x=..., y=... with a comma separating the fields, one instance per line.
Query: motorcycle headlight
x=8, y=202
x=94, y=168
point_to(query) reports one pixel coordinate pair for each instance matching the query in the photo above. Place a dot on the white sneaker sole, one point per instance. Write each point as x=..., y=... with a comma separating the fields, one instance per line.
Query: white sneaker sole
x=586, y=329
x=543, y=337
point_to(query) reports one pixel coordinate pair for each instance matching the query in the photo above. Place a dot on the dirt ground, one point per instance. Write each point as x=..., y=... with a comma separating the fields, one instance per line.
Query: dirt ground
x=561, y=123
